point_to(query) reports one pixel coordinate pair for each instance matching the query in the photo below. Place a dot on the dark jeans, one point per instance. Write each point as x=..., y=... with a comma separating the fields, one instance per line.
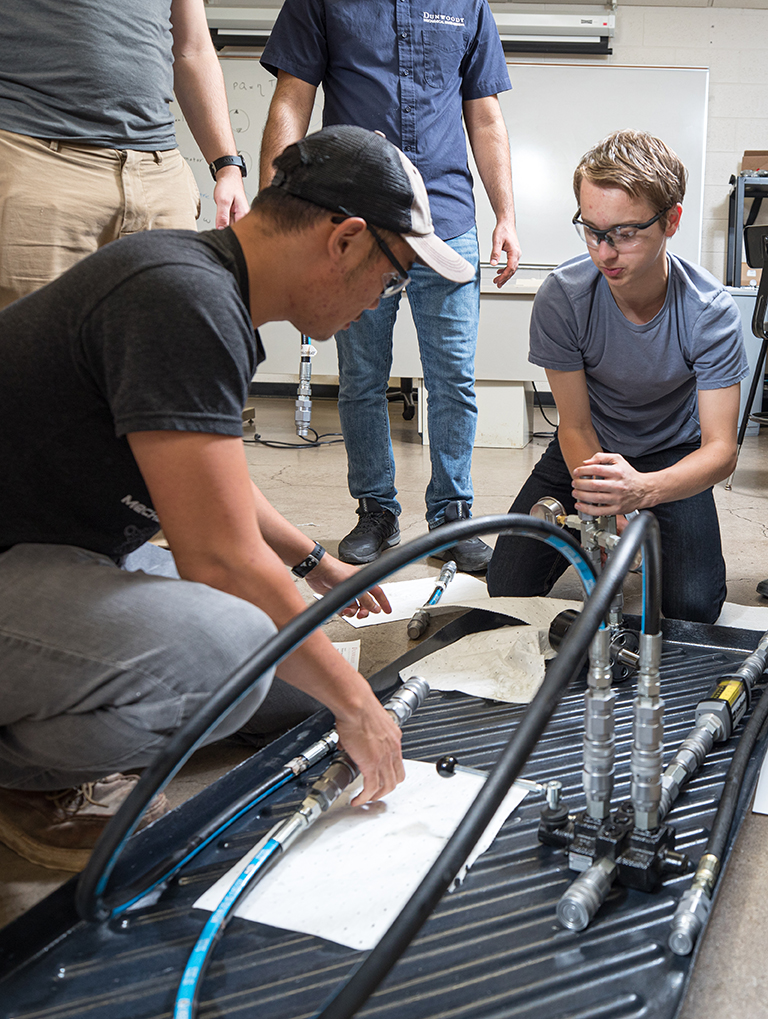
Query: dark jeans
x=693, y=569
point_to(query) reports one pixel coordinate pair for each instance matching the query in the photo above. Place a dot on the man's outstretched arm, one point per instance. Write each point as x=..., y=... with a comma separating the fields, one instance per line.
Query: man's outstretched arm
x=204, y=498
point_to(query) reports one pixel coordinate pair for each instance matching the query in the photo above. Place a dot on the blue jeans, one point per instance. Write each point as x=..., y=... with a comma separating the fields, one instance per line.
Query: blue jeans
x=692, y=565
x=446, y=317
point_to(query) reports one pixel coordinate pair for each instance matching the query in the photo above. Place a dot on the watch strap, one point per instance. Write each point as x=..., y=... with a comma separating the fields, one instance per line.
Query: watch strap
x=217, y=164
x=308, y=564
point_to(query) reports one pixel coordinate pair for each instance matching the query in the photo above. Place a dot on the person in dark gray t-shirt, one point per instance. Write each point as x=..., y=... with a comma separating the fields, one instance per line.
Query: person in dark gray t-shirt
x=644, y=355
x=146, y=351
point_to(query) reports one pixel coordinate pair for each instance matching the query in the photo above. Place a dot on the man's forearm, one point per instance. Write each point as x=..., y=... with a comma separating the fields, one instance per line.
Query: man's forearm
x=577, y=445
x=695, y=473
x=490, y=146
x=290, y=544
x=202, y=97
x=289, y=115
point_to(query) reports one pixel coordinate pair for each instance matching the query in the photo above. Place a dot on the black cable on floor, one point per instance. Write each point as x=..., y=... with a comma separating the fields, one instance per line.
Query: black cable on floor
x=537, y=398
x=304, y=444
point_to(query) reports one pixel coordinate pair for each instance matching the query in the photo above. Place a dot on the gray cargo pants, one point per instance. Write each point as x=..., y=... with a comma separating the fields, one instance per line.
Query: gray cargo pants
x=99, y=666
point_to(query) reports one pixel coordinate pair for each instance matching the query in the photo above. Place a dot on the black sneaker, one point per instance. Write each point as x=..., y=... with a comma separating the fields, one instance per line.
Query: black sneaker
x=376, y=530
x=762, y=588
x=471, y=555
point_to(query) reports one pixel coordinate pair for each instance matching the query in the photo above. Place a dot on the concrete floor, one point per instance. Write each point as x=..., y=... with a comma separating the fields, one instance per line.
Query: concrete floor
x=309, y=487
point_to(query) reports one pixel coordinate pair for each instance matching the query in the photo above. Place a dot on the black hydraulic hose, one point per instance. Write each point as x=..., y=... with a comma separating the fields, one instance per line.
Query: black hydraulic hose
x=90, y=896
x=651, y=621
x=164, y=869
x=642, y=530
x=726, y=809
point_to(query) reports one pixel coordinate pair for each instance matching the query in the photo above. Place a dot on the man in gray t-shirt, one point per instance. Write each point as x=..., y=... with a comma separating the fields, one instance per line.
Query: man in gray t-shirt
x=87, y=142
x=644, y=356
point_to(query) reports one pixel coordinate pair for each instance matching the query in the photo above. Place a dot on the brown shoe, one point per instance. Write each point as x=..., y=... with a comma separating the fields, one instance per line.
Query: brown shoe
x=59, y=829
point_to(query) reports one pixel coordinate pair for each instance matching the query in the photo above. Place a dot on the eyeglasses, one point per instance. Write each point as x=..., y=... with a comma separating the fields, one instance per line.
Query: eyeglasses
x=392, y=282
x=623, y=236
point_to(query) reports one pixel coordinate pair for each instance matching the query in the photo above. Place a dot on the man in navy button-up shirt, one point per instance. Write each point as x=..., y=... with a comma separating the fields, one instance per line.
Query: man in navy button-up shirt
x=411, y=73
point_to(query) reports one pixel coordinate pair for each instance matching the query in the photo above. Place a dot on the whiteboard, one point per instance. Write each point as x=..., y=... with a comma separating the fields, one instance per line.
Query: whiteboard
x=249, y=91
x=554, y=113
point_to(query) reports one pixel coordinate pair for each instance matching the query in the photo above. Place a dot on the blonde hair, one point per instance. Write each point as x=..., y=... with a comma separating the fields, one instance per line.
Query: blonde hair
x=639, y=164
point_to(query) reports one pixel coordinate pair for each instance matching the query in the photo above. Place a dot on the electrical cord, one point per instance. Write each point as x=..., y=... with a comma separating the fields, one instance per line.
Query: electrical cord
x=304, y=444
x=542, y=435
x=93, y=898
x=643, y=531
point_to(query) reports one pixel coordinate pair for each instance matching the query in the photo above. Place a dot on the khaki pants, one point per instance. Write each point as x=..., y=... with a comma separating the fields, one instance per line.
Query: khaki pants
x=60, y=202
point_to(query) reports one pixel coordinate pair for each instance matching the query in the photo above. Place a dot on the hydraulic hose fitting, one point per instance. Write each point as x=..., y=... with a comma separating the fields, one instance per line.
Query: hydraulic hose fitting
x=648, y=735
x=586, y=895
x=688, y=759
x=694, y=906
x=342, y=771
x=325, y=745
x=753, y=667
x=303, y=413
x=599, y=738
x=407, y=699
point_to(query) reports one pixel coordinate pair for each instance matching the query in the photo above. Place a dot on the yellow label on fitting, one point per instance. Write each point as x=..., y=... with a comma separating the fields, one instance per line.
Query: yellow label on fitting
x=730, y=690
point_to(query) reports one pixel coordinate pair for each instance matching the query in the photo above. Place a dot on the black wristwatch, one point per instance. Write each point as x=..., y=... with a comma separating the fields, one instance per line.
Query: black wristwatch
x=217, y=164
x=308, y=564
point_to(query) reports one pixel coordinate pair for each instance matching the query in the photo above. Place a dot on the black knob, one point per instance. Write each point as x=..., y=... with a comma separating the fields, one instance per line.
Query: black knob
x=446, y=766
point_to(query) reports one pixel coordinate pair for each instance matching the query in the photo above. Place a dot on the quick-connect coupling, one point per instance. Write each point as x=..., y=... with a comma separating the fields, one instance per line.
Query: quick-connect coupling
x=341, y=773
x=752, y=668
x=586, y=895
x=599, y=739
x=647, y=735
x=649, y=671
x=688, y=759
x=646, y=764
x=407, y=699
x=599, y=751
x=325, y=745
x=694, y=906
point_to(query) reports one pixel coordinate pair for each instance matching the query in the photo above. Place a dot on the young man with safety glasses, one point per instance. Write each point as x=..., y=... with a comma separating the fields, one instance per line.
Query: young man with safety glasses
x=644, y=355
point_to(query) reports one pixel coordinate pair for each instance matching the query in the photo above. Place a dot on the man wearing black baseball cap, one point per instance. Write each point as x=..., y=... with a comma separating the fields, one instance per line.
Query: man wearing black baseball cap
x=148, y=348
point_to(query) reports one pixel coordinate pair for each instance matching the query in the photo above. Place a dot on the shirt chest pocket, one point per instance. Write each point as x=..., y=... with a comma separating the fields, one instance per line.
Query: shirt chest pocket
x=443, y=50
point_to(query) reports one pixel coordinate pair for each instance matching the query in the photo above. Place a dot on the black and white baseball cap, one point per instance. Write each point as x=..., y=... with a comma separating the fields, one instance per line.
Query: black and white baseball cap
x=359, y=173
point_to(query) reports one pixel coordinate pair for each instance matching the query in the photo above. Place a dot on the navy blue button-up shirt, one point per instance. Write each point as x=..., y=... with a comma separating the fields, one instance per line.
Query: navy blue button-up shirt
x=392, y=66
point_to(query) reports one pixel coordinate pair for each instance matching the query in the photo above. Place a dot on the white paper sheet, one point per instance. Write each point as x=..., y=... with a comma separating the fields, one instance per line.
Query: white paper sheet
x=350, y=875
x=503, y=665
x=744, y=617
x=406, y=596
x=349, y=651
x=760, y=802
